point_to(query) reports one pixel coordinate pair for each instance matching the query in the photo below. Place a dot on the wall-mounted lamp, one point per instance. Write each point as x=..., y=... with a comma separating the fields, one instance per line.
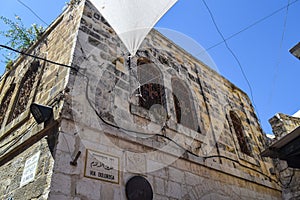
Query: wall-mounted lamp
x=296, y=51
x=41, y=113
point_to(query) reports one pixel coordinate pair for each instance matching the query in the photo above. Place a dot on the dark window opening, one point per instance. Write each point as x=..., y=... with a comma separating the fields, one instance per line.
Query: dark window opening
x=238, y=128
x=177, y=108
x=25, y=90
x=184, y=110
x=152, y=94
x=5, y=102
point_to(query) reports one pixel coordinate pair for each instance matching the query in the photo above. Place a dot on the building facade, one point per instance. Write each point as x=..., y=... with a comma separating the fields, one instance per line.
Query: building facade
x=284, y=149
x=160, y=124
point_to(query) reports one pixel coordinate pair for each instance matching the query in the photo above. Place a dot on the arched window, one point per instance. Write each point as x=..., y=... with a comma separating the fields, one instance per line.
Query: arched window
x=151, y=89
x=24, y=93
x=238, y=128
x=184, y=108
x=5, y=102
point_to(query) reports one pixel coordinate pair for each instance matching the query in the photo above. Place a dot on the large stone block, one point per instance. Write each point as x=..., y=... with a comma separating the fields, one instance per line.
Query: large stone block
x=87, y=189
x=173, y=189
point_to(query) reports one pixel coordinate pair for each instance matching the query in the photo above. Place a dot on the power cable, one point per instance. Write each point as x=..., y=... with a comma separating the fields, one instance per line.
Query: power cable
x=237, y=60
x=166, y=137
x=279, y=183
x=280, y=55
x=71, y=67
x=121, y=128
x=35, y=14
x=37, y=57
x=113, y=125
x=249, y=26
x=230, y=50
x=87, y=96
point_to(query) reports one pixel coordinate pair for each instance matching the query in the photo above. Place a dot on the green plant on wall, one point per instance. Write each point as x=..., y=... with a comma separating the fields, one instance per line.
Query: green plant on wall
x=19, y=37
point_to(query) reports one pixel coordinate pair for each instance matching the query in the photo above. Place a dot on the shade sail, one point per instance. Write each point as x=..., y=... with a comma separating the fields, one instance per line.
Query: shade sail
x=133, y=19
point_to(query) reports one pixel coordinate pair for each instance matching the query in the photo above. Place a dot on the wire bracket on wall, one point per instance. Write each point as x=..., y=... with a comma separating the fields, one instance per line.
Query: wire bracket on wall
x=74, y=161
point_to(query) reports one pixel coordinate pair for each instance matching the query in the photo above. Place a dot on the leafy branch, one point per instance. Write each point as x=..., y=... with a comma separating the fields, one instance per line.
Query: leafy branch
x=19, y=37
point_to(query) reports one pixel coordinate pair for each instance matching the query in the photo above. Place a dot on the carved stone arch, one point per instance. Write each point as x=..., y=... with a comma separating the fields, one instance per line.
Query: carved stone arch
x=183, y=104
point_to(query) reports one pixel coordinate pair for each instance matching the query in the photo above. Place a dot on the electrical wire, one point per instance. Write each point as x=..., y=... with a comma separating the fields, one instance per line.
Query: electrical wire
x=291, y=179
x=277, y=164
x=34, y=13
x=124, y=129
x=249, y=26
x=224, y=40
x=168, y=138
x=280, y=55
x=233, y=160
x=89, y=101
x=230, y=50
x=117, y=127
x=37, y=57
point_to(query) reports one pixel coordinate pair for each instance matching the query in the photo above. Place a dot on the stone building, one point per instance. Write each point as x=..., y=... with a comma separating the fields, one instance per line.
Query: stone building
x=285, y=150
x=159, y=124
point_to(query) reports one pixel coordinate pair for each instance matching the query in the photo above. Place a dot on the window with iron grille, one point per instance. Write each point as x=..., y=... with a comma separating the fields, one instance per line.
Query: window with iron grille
x=184, y=108
x=151, y=90
x=238, y=128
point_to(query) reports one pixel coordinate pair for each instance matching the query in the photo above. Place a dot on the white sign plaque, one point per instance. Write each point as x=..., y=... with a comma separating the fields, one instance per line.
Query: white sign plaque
x=102, y=166
x=30, y=169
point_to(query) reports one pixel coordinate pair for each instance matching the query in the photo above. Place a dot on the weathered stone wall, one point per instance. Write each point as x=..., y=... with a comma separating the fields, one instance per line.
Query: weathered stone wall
x=34, y=80
x=283, y=124
x=292, y=187
x=170, y=177
x=11, y=174
x=290, y=178
x=101, y=114
x=97, y=112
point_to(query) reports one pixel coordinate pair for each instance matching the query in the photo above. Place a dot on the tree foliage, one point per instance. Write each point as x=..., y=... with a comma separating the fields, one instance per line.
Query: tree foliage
x=19, y=37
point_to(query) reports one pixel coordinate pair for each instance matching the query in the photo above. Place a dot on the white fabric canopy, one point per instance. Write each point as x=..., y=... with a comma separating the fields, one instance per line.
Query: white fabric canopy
x=133, y=19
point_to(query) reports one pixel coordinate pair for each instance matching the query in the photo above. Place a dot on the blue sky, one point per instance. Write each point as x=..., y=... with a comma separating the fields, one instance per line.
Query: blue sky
x=271, y=70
